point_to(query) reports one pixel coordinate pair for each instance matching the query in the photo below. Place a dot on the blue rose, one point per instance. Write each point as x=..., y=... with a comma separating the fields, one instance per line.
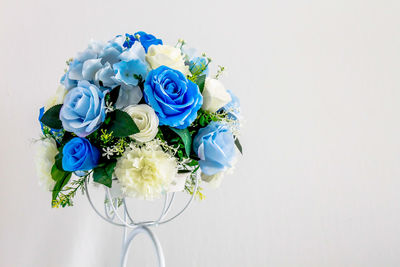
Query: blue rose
x=83, y=110
x=215, y=147
x=174, y=98
x=79, y=155
x=148, y=39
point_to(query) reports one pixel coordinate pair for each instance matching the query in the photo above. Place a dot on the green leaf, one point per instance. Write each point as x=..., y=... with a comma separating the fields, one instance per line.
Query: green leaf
x=58, y=160
x=62, y=179
x=51, y=117
x=200, y=81
x=57, y=173
x=103, y=175
x=193, y=163
x=184, y=171
x=121, y=124
x=186, y=138
x=238, y=145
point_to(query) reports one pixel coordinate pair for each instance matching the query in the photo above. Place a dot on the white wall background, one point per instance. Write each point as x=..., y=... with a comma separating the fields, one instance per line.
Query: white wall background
x=319, y=84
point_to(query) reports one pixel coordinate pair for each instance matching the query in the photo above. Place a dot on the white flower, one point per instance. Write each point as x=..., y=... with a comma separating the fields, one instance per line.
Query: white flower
x=58, y=98
x=215, y=96
x=166, y=55
x=145, y=172
x=213, y=180
x=44, y=160
x=146, y=120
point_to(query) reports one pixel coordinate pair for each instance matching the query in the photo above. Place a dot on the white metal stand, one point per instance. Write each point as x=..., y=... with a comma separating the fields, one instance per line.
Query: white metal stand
x=126, y=221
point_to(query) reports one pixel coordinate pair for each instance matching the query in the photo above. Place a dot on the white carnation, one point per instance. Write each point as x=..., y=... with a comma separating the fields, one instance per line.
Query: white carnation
x=45, y=153
x=166, y=55
x=56, y=99
x=146, y=120
x=215, y=96
x=145, y=172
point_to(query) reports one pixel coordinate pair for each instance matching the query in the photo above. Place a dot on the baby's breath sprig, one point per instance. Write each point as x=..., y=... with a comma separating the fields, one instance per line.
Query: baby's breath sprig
x=180, y=43
x=221, y=69
x=191, y=183
x=56, y=135
x=105, y=137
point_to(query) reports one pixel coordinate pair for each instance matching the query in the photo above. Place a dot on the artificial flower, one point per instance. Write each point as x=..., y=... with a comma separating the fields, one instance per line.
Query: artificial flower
x=111, y=51
x=79, y=155
x=165, y=55
x=146, y=120
x=83, y=110
x=130, y=72
x=58, y=98
x=67, y=82
x=128, y=95
x=145, y=172
x=148, y=40
x=215, y=95
x=174, y=98
x=129, y=40
x=46, y=151
x=215, y=147
x=104, y=76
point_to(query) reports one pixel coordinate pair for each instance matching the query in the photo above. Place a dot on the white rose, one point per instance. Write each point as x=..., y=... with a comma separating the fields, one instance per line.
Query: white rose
x=146, y=120
x=166, y=55
x=44, y=160
x=215, y=95
x=58, y=98
x=145, y=172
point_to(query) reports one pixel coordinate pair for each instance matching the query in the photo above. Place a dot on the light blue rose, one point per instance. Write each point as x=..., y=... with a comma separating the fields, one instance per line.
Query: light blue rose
x=215, y=147
x=174, y=98
x=79, y=155
x=83, y=110
x=198, y=66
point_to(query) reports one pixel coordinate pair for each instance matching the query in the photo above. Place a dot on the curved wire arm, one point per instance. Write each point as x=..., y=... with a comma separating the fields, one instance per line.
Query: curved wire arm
x=126, y=245
x=111, y=215
x=111, y=209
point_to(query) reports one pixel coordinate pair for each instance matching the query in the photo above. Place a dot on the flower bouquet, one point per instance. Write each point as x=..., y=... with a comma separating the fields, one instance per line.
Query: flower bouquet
x=139, y=115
